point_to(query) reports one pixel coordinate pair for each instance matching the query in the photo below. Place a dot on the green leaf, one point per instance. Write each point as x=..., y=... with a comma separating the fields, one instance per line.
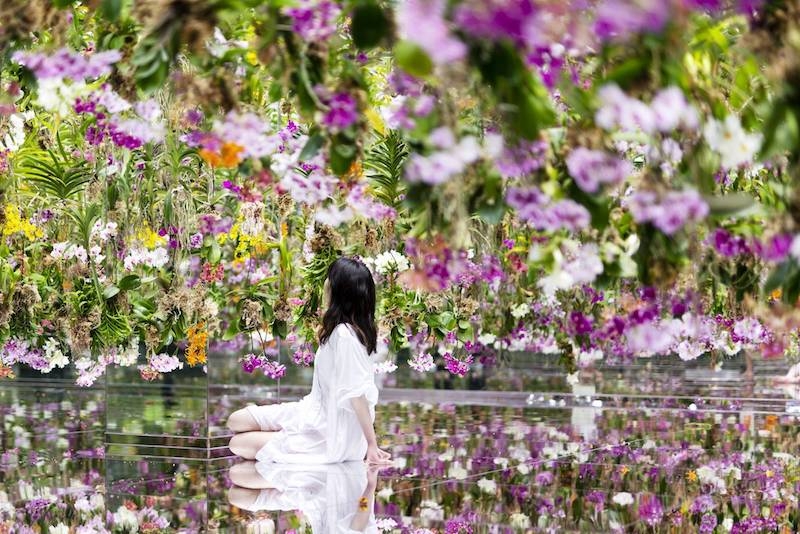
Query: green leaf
x=369, y=24
x=730, y=204
x=110, y=291
x=111, y=9
x=342, y=155
x=132, y=281
x=413, y=59
x=311, y=147
x=280, y=329
x=215, y=253
x=231, y=331
x=629, y=71
x=779, y=275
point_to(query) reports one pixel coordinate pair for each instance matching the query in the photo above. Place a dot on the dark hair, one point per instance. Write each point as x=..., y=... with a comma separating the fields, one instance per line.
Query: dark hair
x=352, y=302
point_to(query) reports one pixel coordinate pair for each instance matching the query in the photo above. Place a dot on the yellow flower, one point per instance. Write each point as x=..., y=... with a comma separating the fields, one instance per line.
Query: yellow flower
x=196, y=351
x=149, y=238
x=624, y=470
x=691, y=476
x=776, y=294
x=16, y=224
x=251, y=57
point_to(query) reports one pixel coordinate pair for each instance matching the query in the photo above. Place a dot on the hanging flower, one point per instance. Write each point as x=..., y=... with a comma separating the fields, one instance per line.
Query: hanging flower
x=196, y=351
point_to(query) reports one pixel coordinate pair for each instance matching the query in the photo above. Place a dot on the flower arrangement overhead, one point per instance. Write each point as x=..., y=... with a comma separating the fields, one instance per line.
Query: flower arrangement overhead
x=594, y=178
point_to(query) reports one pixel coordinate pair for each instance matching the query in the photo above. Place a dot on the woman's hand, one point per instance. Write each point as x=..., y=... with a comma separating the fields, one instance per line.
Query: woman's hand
x=377, y=456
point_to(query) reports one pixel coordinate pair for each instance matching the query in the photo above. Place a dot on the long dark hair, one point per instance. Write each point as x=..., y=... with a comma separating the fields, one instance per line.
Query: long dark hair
x=352, y=302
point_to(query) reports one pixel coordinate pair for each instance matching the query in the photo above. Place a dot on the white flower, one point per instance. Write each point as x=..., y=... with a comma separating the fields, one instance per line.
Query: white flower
x=502, y=462
x=113, y=103
x=126, y=520
x=457, y=472
x=261, y=526
x=573, y=379
x=57, y=97
x=487, y=339
x=385, y=493
x=15, y=136
x=25, y=490
x=727, y=524
x=555, y=281
x=53, y=354
x=431, y=511
x=749, y=329
x=623, y=498
x=794, y=248
x=97, y=501
x=520, y=521
x=729, y=139
x=521, y=310
x=385, y=524
x=589, y=356
x=734, y=472
x=60, y=528
x=487, y=486
x=333, y=216
x=422, y=363
x=391, y=261
x=218, y=45
x=385, y=367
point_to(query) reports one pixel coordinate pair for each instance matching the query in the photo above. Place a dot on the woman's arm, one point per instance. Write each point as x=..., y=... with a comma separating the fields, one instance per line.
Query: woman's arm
x=361, y=409
x=366, y=502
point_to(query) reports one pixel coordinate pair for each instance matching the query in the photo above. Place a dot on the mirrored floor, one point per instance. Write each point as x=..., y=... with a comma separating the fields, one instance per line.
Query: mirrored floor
x=676, y=454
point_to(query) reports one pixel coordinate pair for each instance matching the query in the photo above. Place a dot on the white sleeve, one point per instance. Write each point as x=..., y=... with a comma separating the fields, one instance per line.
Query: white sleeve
x=354, y=372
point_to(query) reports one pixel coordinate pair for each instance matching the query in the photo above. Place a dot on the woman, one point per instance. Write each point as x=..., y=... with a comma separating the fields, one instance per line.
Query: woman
x=333, y=498
x=333, y=423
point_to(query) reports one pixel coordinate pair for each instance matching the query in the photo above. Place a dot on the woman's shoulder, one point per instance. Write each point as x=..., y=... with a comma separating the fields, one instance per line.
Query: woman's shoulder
x=347, y=333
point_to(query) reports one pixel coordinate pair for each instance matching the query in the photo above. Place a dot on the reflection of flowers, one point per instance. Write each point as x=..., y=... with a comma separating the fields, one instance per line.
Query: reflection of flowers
x=623, y=498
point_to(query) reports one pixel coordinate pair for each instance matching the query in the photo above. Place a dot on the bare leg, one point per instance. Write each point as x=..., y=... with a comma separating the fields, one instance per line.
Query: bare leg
x=247, y=444
x=242, y=421
x=242, y=497
x=245, y=475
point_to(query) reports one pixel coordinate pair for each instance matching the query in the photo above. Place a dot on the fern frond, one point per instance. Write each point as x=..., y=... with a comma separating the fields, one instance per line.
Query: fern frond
x=384, y=162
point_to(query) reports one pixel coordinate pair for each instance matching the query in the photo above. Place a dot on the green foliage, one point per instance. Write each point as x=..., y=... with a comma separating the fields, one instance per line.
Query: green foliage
x=54, y=173
x=384, y=163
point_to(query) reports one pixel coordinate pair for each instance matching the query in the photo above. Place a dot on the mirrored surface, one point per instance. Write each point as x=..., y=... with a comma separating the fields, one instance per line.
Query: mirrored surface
x=633, y=450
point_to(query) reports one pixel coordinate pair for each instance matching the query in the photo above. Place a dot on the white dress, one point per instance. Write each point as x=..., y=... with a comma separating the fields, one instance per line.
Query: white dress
x=329, y=496
x=322, y=427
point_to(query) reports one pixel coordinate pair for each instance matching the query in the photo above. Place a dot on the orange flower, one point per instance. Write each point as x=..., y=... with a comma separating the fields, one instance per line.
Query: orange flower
x=776, y=294
x=212, y=158
x=227, y=157
x=691, y=476
x=196, y=351
x=770, y=421
x=230, y=154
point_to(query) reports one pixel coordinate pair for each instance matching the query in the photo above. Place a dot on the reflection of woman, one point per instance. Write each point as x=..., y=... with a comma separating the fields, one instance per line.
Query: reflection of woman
x=334, y=498
x=334, y=423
